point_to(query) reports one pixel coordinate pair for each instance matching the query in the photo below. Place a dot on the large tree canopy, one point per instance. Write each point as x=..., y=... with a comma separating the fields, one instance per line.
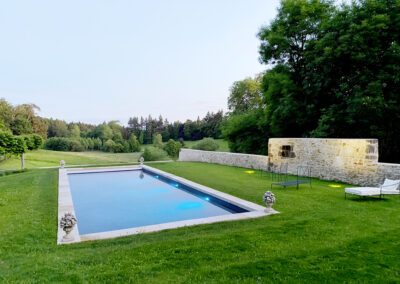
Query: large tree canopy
x=334, y=72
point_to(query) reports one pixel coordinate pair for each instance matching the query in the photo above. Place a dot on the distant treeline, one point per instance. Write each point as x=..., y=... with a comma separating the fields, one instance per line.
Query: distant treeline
x=107, y=136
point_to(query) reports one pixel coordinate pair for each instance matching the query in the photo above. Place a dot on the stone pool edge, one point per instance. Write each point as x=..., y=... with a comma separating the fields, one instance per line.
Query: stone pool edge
x=65, y=204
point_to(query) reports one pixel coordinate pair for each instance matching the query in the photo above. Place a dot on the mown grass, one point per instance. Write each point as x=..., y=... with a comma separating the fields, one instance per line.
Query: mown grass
x=47, y=158
x=318, y=237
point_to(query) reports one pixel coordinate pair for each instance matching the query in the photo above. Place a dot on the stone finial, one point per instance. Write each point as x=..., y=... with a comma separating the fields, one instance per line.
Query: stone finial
x=141, y=160
x=269, y=199
x=62, y=164
x=67, y=223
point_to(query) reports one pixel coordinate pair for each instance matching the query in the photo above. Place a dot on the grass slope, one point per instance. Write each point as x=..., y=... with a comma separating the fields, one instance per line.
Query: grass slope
x=47, y=158
x=318, y=237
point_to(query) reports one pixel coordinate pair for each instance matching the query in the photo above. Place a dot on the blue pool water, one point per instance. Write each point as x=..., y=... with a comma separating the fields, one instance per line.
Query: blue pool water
x=106, y=201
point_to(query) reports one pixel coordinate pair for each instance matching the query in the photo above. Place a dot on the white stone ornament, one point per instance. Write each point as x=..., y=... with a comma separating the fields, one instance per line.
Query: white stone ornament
x=67, y=223
x=141, y=160
x=269, y=199
x=62, y=164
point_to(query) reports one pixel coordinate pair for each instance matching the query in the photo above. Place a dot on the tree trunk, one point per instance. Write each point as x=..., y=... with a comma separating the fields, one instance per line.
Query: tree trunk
x=22, y=161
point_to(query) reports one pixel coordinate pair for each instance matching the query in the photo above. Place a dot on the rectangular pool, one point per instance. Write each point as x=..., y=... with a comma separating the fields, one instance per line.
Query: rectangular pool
x=119, y=201
x=106, y=201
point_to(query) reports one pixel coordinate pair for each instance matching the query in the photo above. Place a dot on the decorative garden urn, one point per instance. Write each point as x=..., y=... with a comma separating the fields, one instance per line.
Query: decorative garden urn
x=67, y=223
x=141, y=160
x=62, y=164
x=269, y=199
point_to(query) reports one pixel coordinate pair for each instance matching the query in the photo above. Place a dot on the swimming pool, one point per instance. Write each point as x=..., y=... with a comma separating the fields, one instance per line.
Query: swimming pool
x=118, y=201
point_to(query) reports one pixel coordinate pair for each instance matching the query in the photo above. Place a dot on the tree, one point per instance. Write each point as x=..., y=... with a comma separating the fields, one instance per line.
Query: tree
x=157, y=141
x=57, y=128
x=211, y=124
x=141, y=138
x=245, y=95
x=172, y=148
x=192, y=130
x=247, y=132
x=134, y=145
x=75, y=131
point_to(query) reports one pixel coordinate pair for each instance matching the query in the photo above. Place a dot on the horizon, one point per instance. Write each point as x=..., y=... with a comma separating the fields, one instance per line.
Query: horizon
x=104, y=61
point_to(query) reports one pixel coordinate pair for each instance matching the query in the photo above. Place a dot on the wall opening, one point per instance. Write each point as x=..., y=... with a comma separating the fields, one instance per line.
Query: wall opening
x=287, y=151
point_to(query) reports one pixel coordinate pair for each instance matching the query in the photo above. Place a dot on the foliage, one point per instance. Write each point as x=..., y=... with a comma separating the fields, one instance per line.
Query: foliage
x=245, y=95
x=154, y=154
x=141, y=138
x=72, y=144
x=75, y=131
x=333, y=72
x=246, y=133
x=32, y=141
x=157, y=141
x=21, y=119
x=172, y=148
x=207, y=144
x=111, y=146
x=9, y=144
x=134, y=145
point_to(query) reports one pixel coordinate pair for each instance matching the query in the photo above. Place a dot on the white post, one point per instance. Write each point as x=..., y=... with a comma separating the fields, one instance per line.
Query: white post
x=23, y=161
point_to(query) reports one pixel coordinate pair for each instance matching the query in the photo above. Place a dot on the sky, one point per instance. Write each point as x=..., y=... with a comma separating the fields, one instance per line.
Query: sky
x=97, y=60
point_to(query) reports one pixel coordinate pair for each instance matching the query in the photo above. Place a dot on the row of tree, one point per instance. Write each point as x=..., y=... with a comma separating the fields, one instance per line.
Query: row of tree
x=110, y=136
x=334, y=71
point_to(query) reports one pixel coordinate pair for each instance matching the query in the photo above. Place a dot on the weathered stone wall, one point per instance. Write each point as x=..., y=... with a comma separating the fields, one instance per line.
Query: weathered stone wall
x=354, y=161
x=349, y=160
x=386, y=170
x=224, y=158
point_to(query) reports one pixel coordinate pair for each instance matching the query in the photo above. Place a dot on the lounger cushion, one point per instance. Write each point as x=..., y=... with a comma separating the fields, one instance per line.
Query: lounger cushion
x=390, y=185
x=363, y=191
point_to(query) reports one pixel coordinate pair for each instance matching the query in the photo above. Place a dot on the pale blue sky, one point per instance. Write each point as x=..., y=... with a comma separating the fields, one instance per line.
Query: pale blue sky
x=99, y=60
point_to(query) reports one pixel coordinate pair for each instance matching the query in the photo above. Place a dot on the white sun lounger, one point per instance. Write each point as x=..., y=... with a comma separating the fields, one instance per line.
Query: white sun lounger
x=389, y=187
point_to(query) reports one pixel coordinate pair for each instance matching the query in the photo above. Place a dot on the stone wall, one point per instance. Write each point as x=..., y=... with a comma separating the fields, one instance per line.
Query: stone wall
x=224, y=158
x=354, y=161
x=349, y=160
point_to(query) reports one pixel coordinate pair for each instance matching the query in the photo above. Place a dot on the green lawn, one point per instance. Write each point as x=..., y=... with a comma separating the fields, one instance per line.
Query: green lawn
x=47, y=158
x=223, y=145
x=318, y=237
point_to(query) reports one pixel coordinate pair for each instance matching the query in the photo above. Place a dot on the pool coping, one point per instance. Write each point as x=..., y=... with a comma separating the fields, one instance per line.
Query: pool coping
x=65, y=204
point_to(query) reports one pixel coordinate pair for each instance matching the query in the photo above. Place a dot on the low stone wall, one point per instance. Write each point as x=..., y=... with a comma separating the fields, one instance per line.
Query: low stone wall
x=386, y=170
x=354, y=161
x=224, y=158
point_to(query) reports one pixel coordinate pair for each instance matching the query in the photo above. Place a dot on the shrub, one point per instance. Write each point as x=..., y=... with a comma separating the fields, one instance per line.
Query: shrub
x=154, y=154
x=37, y=140
x=75, y=145
x=109, y=146
x=66, y=144
x=172, y=148
x=57, y=144
x=207, y=144
x=157, y=141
